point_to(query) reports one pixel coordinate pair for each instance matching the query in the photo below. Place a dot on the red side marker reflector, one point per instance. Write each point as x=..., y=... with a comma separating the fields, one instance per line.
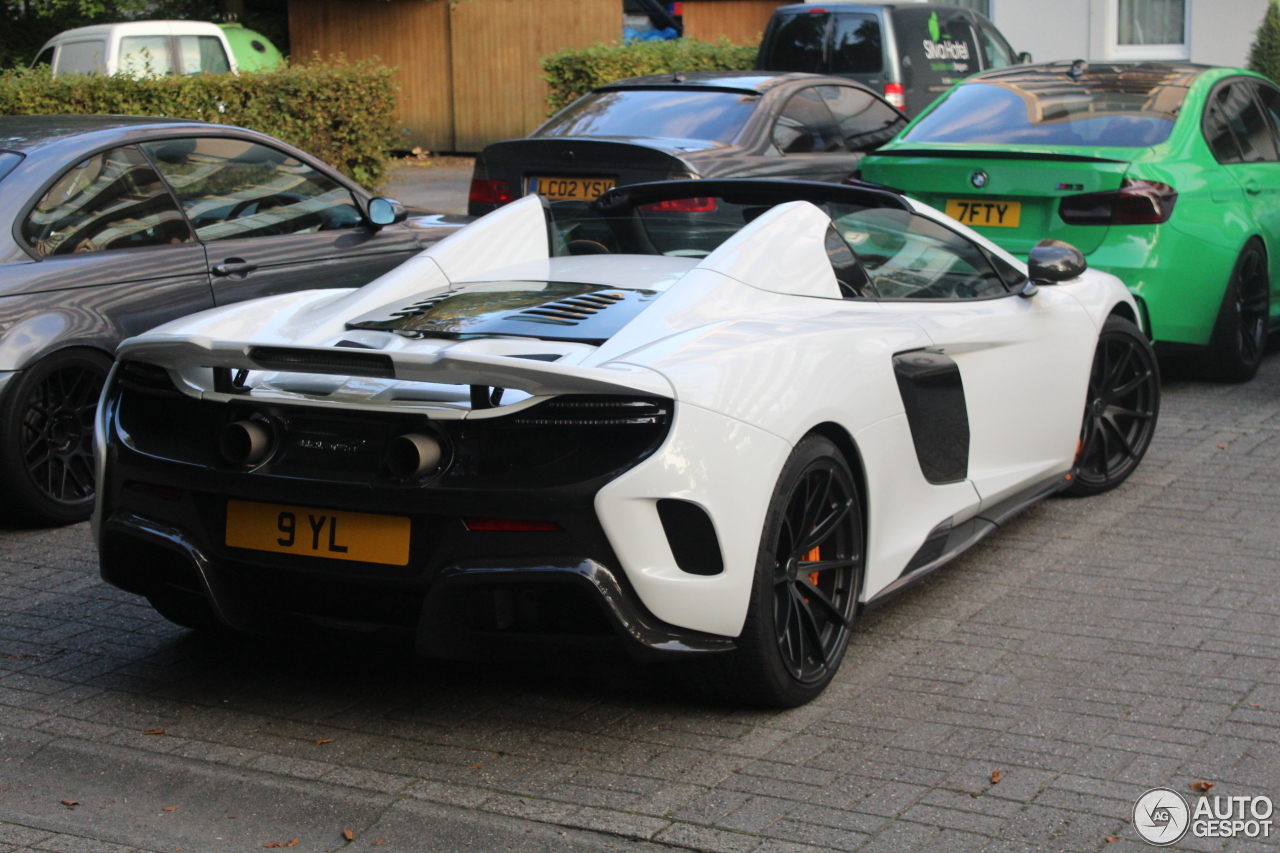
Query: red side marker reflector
x=510, y=524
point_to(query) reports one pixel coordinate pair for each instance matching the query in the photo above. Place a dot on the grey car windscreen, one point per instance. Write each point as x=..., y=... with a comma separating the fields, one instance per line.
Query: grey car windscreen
x=8, y=161
x=715, y=116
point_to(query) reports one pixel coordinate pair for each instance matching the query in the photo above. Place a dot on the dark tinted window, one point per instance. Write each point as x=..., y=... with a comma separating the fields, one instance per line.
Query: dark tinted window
x=1270, y=98
x=912, y=257
x=230, y=188
x=45, y=57
x=796, y=42
x=856, y=46
x=805, y=125
x=112, y=200
x=1050, y=109
x=1235, y=126
x=716, y=116
x=863, y=121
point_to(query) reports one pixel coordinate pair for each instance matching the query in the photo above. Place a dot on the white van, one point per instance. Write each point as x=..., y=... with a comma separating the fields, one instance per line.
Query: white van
x=140, y=48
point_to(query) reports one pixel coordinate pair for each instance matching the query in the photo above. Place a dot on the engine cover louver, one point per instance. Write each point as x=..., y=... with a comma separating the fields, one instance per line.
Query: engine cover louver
x=568, y=311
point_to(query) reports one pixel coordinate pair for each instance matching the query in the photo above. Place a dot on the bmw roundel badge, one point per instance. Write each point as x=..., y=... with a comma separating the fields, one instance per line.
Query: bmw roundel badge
x=978, y=179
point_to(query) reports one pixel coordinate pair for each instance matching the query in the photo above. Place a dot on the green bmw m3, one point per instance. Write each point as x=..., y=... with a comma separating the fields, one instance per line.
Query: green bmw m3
x=1164, y=174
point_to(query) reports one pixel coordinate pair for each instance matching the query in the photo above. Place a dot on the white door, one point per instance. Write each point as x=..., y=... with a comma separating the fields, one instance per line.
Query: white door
x=1024, y=362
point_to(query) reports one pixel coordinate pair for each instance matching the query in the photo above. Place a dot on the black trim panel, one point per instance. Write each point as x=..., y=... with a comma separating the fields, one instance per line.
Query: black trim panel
x=933, y=396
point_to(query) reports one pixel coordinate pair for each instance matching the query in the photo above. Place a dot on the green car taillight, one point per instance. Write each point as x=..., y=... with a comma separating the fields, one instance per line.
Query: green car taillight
x=1137, y=202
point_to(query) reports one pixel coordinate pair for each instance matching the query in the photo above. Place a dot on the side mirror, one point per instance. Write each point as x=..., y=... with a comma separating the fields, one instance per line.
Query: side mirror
x=1054, y=260
x=1024, y=58
x=386, y=211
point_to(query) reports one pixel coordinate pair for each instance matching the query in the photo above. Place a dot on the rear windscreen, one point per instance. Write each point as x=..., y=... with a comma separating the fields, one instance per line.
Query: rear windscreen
x=1123, y=110
x=677, y=114
x=856, y=46
x=796, y=42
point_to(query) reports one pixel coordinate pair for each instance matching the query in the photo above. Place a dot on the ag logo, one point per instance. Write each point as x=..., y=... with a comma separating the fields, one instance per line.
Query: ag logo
x=978, y=179
x=1161, y=816
x=935, y=31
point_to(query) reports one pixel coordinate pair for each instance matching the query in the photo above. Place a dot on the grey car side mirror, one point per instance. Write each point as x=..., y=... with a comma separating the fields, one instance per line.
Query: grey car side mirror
x=1054, y=260
x=386, y=211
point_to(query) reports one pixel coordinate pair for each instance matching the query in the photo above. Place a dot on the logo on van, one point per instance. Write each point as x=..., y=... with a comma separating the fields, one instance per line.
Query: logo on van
x=938, y=46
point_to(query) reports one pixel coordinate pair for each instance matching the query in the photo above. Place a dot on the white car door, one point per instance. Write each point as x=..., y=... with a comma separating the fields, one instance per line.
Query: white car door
x=1023, y=362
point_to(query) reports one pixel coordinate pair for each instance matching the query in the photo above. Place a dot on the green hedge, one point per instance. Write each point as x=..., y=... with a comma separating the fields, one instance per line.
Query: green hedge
x=573, y=73
x=342, y=113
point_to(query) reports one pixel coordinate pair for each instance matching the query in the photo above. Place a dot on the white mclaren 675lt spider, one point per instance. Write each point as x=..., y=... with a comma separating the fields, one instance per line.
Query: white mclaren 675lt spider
x=705, y=420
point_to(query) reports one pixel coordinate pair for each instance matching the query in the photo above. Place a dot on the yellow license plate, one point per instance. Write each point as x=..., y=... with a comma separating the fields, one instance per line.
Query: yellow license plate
x=334, y=534
x=571, y=189
x=996, y=214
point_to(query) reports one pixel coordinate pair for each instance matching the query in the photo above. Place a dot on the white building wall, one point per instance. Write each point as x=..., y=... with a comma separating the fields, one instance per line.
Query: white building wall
x=1219, y=32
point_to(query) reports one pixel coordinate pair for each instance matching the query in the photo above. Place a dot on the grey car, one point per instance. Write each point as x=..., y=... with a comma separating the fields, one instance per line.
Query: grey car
x=113, y=225
x=703, y=124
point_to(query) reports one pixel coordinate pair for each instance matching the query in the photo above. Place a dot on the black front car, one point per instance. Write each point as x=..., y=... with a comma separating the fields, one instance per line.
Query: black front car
x=497, y=543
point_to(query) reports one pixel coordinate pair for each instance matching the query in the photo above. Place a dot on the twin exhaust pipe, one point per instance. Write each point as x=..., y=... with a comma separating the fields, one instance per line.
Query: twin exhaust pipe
x=249, y=443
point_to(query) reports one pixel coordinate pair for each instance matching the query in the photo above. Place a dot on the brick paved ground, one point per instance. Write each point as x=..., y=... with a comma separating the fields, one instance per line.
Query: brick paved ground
x=1089, y=651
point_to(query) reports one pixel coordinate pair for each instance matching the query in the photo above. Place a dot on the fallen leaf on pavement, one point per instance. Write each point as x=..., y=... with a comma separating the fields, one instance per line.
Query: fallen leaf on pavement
x=294, y=842
x=1222, y=447
x=995, y=777
x=273, y=844
x=154, y=732
x=349, y=835
x=1111, y=839
x=71, y=804
x=323, y=740
x=473, y=766
x=379, y=843
x=169, y=809
x=1201, y=787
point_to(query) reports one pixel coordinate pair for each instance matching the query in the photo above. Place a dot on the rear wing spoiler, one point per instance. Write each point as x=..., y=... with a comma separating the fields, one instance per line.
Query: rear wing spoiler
x=537, y=378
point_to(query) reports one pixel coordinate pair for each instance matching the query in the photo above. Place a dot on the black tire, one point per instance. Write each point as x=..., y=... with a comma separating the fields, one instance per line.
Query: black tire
x=46, y=438
x=185, y=609
x=796, y=630
x=1240, y=332
x=1120, y=411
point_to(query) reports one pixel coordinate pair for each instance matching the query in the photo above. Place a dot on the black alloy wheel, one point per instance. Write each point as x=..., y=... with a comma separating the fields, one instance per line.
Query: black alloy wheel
x=805, y=596
x=1120, y=410
x=1240, y=332
x=46, y=437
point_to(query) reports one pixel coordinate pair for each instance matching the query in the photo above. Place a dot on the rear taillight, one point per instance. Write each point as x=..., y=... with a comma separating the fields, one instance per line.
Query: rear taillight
x=1135, y=203
x=485, y=191
x=681, y=205
x=896, y=95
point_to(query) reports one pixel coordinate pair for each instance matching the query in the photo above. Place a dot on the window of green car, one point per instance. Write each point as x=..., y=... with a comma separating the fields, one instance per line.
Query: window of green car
x=1235, y=126
x=231, y=189
x=909, y=256
x=112, y=200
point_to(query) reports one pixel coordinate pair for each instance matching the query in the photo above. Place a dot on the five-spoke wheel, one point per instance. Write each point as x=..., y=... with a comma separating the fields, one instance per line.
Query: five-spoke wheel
x=1120, y=410
x=46, y=437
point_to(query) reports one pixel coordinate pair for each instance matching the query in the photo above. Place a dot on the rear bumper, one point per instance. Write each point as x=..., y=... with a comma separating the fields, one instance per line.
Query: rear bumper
x=476, y=609
x=1179, y=280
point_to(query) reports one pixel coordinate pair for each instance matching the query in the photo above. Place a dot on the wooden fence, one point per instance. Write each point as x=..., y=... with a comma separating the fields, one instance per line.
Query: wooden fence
x=740, y=21
x=468, y=72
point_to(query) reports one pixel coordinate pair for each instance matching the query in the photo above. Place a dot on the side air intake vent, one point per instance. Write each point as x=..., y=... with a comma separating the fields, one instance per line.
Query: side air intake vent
x=569, y=312
x=691, y=536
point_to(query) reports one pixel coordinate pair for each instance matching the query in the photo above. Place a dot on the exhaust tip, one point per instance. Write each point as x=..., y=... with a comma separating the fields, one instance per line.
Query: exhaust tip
x=245, y=442
x=413, y=455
